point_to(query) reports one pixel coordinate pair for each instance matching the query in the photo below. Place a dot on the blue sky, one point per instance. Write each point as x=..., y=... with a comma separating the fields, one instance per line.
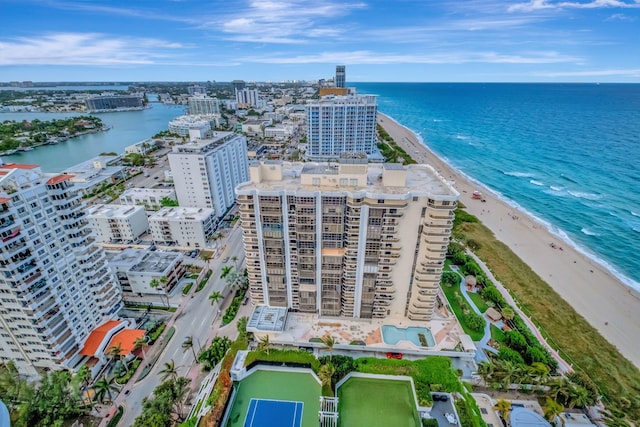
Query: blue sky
x=401, y=40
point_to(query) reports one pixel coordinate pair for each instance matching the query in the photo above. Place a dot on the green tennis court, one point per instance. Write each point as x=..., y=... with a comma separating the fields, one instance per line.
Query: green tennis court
x=366, y=402
x=276, y=386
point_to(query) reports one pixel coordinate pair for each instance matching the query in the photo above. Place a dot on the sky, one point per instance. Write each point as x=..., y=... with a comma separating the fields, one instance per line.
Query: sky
x=273, y=40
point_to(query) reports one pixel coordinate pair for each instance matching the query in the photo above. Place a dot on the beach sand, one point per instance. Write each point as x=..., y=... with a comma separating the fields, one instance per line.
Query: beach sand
x=601, y=298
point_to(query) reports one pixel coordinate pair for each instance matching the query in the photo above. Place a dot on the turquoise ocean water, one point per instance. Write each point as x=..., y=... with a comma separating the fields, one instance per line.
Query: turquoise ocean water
x=569, y=154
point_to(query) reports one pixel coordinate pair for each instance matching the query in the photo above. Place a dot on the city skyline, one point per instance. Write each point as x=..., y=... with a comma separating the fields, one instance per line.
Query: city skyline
x=479, y=41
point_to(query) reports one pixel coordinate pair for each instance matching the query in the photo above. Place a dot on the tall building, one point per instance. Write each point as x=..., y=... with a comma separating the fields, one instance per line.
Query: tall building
x=337, y=124
x=55, y=287
x=238, y=85
x=203, y=105
x=350, y=239
x=247, y=97
x=341, y=76
x=206, y=171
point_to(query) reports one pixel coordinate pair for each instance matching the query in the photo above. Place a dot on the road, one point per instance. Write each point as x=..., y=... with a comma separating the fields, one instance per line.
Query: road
x=195, y=317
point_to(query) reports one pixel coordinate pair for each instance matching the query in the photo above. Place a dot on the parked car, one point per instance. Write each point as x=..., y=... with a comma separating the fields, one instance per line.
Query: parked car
x=391, y=355
x=226, y=259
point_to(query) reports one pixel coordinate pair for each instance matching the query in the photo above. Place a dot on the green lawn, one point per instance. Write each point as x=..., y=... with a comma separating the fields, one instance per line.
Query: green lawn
x=449, y=292
x=365, y=402
x=497, y=334
x=477, y=299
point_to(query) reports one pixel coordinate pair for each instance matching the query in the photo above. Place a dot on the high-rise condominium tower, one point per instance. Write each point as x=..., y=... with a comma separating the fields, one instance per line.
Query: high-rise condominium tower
x=206, y=171
x=352, y=240
x=341, y=76
x=202, y=104
x=55, y=286
x=338, y=124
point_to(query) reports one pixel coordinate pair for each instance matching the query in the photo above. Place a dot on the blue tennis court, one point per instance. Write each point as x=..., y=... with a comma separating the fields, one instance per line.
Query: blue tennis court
x=273, y=413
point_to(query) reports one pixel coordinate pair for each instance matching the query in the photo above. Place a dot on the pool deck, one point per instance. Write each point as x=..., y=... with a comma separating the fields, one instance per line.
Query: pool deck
x=301, y=327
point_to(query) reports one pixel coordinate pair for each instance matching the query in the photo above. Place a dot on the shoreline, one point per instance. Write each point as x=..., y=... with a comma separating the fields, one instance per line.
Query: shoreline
x=606, y=303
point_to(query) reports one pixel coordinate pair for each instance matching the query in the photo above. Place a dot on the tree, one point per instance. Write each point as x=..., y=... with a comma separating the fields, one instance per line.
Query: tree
x=211, y=356
x=539, y=372
x=486, y=370
x=104, y=388
x=140, y=343
x=115, y=351
x=169, y=371
x=559, y=389
x=84, y=376
x=241, y=325
x=578, y=396
x=215, y=297
x=155, y=284
x=263, y=344
x=552, y=409
x=188, y=343
x=225, y=271
x=329, y=342
x=508, y=313
x=326, y=374
x=503, y=406
x=235, y=260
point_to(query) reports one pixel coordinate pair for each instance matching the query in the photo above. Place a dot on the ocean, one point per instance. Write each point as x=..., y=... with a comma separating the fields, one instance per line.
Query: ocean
x=568, y=154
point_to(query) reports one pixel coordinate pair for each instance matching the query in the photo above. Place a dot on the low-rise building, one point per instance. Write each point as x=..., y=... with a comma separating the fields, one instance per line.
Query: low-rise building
x=278, y=132
x=150, y=198
x=136, y=269
x=255, y=127
x=117, y=223
x=142, y=147
x=199, y=122
x=185, y=227
x=89, y=176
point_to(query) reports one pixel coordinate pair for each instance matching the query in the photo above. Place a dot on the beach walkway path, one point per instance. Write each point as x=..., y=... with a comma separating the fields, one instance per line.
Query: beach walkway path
x=563, y=366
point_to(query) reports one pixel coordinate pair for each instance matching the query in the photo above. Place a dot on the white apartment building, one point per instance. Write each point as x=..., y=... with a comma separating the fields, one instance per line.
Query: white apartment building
x=92, y=174
x=351, y=239
x=338, y=124
x=185, y=227
x=202, y=124
x=135, y=269
x=202, y=104
x=278, y=132
x=150, y=198
x=142, y=147
x=206, y=172
x=117, y=223
x=247, y=98
x=55, y=287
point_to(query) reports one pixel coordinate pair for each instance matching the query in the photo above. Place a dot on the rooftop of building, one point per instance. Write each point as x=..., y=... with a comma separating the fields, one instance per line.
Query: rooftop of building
x=267, y=319
x=421, y=179
x=194, y=119
x=126, y=340
x=113, y=211
x=183, y=213
x=96, y=337
x=157, y=262
x=97, y=163
x=145, y=192
x=524, y=417
x=351, y=98
x=200, y=146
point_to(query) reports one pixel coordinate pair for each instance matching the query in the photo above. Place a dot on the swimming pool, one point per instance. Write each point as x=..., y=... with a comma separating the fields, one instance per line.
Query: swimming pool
x=391, y=335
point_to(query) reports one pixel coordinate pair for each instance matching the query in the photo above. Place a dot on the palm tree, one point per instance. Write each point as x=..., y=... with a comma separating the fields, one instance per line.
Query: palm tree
x=326, y=373
x=84, y=376
x=225, y=271
x=506, y=373
x=235, y=260
x=179, y=394
x=104, y=388
x=169, y=371
x=486, y=370
x=215, y=297
x=539, y=372
x=263, y=344
x=503, y=406
x=154, y=283
x=552, y=409
x=188, y=343
x=559, y=389
x=115, y=351
x=578, y=396
x=329, y=342
x=140, y=343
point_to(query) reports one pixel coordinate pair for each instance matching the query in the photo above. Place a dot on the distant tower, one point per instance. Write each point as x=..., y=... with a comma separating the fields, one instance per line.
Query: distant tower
x=340, y=76
x=238, y=85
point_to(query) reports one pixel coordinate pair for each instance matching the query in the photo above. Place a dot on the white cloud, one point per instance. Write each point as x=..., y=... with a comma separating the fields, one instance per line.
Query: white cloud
x=370, y=57
x=594, y=4
x=620, y=17
x=83, y=49
x=593, y=73
x=294, y=21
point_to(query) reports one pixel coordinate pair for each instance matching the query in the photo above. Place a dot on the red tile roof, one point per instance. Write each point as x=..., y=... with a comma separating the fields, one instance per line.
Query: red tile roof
x=125, y=339
x=96, y=336
x=18, y=166
x=5, y=199
x=58, y=179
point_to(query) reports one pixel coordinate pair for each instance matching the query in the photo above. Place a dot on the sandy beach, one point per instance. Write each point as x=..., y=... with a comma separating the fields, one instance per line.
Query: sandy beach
x=605, y=302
